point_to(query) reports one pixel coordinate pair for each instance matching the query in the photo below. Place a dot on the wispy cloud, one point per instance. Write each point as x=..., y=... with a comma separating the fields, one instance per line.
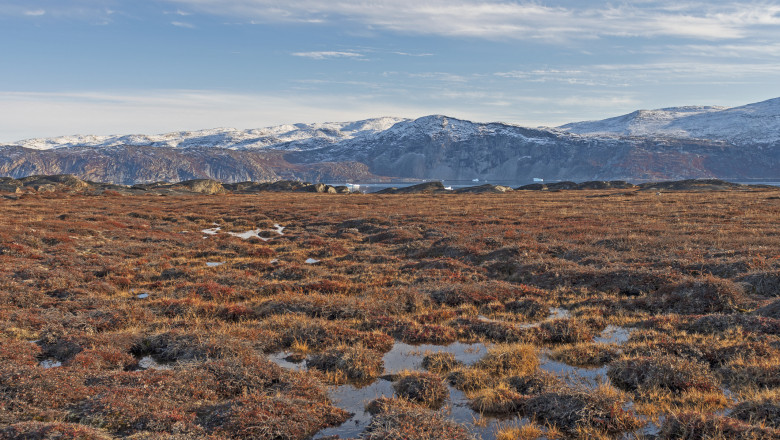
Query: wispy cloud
x=94, y=11
x=183, y=24
x=553, y=21
x=627, y=75
x=407, y=54
x=324, y=55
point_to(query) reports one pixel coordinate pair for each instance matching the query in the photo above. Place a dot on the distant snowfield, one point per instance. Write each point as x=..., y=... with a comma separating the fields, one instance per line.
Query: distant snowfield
x=301, y=135
x=757, y=123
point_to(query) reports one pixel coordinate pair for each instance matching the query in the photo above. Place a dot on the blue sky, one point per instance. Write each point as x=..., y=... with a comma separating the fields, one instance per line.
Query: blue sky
x=151, y=66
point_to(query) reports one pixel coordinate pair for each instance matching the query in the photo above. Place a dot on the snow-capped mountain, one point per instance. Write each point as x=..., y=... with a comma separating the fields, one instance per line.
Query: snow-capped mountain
x=757, y=123
x=674, y=143
x=288, y=137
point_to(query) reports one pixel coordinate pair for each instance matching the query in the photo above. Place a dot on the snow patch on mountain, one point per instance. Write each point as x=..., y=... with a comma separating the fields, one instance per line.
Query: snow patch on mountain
x=757, y=123
x=295, y=137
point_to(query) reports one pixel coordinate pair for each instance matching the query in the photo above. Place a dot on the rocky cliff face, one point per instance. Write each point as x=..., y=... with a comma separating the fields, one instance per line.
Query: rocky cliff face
x=130, y=165
x=443, y=148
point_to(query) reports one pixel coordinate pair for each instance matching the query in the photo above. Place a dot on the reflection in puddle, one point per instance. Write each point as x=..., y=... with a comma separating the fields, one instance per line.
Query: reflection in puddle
x=311, y=261
x=589, y=377
x=280, y=359
x=214, y=264
x=409, y=357
x=405, y=357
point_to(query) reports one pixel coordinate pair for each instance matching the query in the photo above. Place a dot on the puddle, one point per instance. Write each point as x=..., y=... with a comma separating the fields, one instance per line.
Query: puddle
x=142, y=295
x=555, y=313
x=274, y=261
x=214, y=264
x=589, y=377
x=50, y=363
x=311, y=261
x=614, y=335
x=148, y=363
x=280, y=359
x=406, y=357
x=409, y=357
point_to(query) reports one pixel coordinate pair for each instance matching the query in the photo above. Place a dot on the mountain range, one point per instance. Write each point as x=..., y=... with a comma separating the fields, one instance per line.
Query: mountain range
x=739, y=143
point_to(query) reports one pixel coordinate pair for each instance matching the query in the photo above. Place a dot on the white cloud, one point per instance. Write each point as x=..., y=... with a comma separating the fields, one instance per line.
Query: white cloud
x=327, y=54
x=35, y=12
x=183, y=24
x=555, y=21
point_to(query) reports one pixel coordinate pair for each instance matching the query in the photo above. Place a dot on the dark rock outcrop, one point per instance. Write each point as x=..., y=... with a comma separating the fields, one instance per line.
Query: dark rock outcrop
x=422, y=188
x=484, y=189
x=557, y=186
x=693, y=185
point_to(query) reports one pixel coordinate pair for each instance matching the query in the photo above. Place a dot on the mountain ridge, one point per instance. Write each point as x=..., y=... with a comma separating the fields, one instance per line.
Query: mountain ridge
x=672, y=143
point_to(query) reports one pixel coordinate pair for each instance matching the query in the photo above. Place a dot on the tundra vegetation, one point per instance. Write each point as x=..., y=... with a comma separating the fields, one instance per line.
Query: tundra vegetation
x=114, y=325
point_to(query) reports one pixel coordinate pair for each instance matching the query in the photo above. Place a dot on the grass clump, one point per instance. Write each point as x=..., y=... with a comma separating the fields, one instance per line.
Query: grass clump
x=498, y=401
x=537, y=383
x=566, y=331
x=398, y=420
x=572, y=410
x=696, y=426
x=351, y=362
x=764, y=410
x=586, y=354
x=708, y=294
x=669, y=372
x=471, y=379
x=502, y=360
x=530, y=431
x=441, y=362
x=425, y=388
x=761, y=372
x=528, y=309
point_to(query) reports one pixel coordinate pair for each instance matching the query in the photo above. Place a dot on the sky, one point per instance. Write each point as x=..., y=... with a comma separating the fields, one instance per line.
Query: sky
x=154, y=66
